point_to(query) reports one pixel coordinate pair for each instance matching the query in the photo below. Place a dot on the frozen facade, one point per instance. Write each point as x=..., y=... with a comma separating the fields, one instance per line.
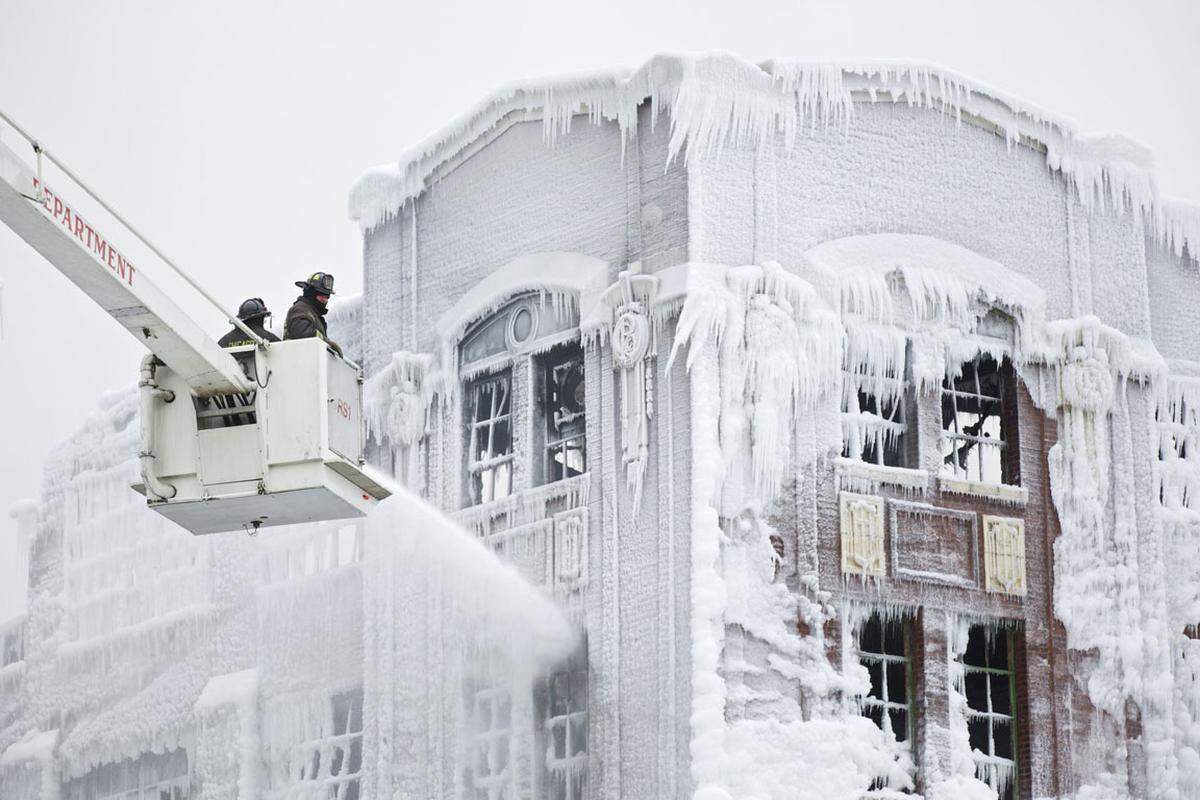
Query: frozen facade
x=847, y=415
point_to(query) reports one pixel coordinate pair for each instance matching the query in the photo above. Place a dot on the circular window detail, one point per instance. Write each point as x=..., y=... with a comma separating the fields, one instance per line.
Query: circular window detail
x=522, y=326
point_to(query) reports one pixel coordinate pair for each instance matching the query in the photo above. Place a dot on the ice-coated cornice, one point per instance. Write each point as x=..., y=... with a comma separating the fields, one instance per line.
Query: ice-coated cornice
x=714, y=100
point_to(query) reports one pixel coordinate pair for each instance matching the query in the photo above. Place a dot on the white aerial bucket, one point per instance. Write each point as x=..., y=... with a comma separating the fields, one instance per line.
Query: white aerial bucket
x=288, y=451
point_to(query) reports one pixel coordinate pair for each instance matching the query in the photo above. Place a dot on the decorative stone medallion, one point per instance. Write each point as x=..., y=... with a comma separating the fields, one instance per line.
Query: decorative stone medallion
x=862, y=534
x=630, y=335
x=1004, y=554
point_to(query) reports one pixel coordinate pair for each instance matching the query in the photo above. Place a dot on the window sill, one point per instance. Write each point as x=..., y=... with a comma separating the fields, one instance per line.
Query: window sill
x=1000, y=492
x=860, y=476
x=523, y=507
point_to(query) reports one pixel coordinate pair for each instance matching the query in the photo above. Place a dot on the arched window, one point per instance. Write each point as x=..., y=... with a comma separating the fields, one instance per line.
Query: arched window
x=523, y=397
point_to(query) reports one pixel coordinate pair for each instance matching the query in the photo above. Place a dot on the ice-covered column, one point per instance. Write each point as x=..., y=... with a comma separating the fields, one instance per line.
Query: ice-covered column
x=24, y=512
x=931, y=693
x=227, y=753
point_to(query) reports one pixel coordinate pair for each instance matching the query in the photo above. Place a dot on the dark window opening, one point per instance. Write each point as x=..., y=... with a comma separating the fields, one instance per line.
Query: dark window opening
x=989, y=683
x=563, y=411
x=883, y=649
x=976, y=432
x=874, y=422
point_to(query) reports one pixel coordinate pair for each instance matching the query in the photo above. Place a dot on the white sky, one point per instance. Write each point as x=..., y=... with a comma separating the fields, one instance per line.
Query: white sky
x=230, y=132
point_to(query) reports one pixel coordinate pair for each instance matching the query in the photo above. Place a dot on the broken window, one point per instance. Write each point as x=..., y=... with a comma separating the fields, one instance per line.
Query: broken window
x=883, y=650
x=873, y=419
x=491, y=743
x=989, y=682
x=565, y=715
x=489, y=437
x=314, y=745
x=975, y=433
x=151, y=776
x=562, y=407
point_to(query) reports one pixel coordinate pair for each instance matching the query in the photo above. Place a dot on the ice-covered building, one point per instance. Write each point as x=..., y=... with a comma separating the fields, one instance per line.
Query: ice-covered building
x=848, y=413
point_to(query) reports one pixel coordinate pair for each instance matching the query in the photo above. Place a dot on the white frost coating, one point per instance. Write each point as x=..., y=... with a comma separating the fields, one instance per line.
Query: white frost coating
x=854, y=305
x=239, y=690
x=233, y=689
x=761, y=346
x=397, y=402
x=35, y=746
x=715, y=100
x=424, y=572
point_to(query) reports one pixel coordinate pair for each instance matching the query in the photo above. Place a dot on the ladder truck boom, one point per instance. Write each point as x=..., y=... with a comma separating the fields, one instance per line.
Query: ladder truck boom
x=92, y=261
x=246, y=437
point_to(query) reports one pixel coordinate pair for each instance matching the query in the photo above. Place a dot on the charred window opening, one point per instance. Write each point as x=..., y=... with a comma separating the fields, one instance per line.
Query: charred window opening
x=883, y=648
x=976, y=433
x=873, y=419
x=563, y=412
x=990, y=686
x=564, y=704
x=489, y=438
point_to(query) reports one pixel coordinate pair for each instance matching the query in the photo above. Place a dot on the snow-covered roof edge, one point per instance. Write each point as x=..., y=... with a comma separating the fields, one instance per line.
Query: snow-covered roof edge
x=714, y=99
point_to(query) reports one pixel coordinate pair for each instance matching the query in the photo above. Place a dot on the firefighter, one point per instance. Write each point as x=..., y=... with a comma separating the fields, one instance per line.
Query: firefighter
x=254, y=313
x=306, y=317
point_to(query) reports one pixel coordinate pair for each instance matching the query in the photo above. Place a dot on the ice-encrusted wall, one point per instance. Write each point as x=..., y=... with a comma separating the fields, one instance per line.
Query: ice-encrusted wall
x=482, y=213
x=721, y=171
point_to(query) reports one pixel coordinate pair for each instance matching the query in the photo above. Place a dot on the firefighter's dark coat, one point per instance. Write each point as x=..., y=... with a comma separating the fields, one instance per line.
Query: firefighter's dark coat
x=305, y=320
x=237, y=338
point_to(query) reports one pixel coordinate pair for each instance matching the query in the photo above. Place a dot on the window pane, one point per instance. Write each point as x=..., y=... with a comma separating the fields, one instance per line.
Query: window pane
x=562, y=406
x=1001, y=694
x=870, y=635
x=578, y=725
x=1002, y=738
x=876, y=671
x=560, y=694
x=900, y=725
x=989, y=377
x=897, y=680
x=976, y=684
x=998, y=651
x=894, y=643
x=558, y=736
x=976, y=654
x=977, y=728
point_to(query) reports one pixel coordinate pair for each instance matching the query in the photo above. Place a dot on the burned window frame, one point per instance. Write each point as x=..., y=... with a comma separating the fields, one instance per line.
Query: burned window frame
x=482, y=473
x=1005, y=443
x=883, y=703
x=518, y=340
x=988, y=716
x=858, y=387
x=566, y=357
